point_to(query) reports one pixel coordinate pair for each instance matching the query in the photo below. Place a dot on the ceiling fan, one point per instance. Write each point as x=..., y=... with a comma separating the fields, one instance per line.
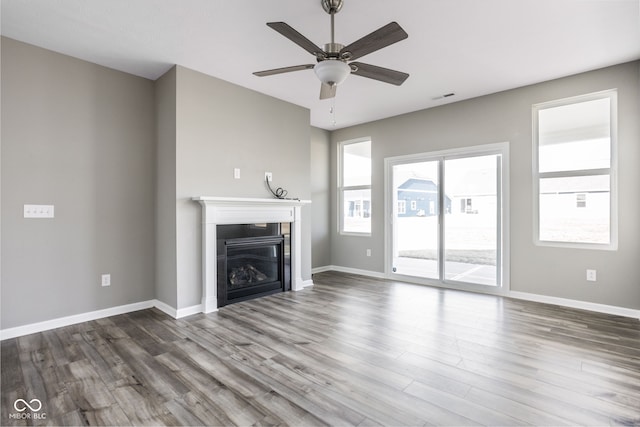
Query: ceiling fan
x=333, y=62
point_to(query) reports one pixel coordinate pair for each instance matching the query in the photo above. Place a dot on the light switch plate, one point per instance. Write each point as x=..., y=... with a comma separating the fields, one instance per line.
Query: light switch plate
x=106, y=280
x=38, y=211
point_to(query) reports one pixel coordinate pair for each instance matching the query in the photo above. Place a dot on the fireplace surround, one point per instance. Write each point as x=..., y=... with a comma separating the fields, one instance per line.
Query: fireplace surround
x=234, y=210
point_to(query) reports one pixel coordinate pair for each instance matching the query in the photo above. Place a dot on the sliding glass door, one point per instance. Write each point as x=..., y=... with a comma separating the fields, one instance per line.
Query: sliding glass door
x=447, y=217
x=471, y=237
x=416, y=219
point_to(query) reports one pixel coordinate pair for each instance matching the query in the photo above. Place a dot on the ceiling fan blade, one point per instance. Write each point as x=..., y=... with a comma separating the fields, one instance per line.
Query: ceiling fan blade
x=287, y=31
x=379, y=73
x=382, y=37
x=283, y=70
x=327, y=91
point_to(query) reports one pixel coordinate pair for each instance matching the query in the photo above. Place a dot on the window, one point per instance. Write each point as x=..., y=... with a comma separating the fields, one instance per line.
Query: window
x=574, y=161
x=355, y=187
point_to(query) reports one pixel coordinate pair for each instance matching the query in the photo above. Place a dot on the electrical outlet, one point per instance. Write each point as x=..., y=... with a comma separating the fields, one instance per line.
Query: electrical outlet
x=268, y=176
x=591, y=275
x=368, y=252
x=106, y=280
x=236, y=173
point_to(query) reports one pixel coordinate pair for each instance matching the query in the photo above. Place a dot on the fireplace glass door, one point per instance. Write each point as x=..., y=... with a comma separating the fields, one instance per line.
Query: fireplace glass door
x=254, y=266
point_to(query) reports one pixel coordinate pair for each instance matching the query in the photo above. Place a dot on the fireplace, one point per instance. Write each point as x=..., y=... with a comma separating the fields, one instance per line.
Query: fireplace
x=253, y=260
x=234, y=210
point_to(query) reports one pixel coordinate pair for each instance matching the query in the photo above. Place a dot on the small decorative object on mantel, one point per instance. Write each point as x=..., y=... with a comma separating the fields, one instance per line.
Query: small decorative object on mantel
x=279, y=193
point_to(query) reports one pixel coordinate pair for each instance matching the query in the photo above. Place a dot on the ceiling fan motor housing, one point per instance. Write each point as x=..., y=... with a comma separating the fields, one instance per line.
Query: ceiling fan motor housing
x=333, y=49
x=332, y=6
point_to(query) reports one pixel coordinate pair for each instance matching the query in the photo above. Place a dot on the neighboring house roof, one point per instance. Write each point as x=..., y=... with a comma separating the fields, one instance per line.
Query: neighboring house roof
x=415, y=184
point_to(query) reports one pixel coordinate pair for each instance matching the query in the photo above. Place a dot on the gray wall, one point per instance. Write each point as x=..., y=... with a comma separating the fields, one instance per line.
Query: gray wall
x=320, y=197
x=120, y=158
x=506, y=116
x=80, y=137
x=166, y=273
x=219, y=127
x=109, y=149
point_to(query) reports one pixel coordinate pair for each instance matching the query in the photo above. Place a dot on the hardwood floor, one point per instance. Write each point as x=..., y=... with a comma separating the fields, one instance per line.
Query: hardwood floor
x=349, y=351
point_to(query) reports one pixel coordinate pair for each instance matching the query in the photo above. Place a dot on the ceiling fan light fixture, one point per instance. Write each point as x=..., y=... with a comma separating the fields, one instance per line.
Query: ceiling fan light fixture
x=332, y=71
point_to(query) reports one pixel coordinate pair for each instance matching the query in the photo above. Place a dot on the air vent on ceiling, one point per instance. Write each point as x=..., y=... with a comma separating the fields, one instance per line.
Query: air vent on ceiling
x=446, y=95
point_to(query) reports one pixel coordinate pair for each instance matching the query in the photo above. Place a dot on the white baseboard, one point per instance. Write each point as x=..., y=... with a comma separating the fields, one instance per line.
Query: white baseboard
x=564, y=302
x=32, y=328
x=583, y=305
x=349, y=270
x=188, y=311
x=60, y=322
x=321, y=269
x=165, y=308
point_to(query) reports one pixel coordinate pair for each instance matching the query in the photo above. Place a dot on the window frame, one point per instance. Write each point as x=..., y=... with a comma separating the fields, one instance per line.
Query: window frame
x=611, y=171
x=342, y=188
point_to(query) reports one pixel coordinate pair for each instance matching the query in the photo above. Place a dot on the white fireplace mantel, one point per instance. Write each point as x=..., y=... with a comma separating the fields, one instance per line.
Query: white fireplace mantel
x=236, y=210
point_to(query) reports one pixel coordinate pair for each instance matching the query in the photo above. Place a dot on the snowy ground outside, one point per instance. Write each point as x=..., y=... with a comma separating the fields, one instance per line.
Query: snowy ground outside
x=470, y=254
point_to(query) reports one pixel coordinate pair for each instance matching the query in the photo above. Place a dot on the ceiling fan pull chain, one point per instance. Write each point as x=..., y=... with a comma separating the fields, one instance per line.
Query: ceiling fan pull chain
x=332, y=111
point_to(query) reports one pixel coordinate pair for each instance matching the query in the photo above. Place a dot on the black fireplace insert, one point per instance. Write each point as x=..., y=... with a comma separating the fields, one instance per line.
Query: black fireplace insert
x=253, y=260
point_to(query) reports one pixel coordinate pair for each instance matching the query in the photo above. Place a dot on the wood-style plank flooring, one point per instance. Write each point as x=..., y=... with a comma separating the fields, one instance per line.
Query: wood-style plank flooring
x=349, y=351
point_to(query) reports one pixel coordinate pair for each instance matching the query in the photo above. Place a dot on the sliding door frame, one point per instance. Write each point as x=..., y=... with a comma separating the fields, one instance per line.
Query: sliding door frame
x=501, y=149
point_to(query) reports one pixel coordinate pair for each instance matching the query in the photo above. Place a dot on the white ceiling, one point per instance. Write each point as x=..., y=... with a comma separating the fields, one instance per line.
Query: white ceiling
x=469, y=47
